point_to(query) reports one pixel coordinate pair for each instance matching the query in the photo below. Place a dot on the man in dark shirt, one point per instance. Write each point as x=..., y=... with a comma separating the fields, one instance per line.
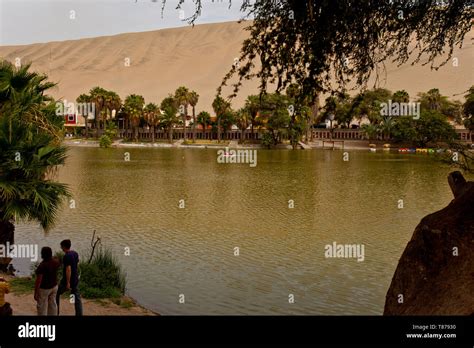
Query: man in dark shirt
x=46, y=284
x=70, y=279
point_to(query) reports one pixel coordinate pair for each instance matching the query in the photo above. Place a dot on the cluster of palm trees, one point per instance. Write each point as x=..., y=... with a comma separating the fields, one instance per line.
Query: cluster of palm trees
x=282, y=116
x=270, y=111
x=136, y=112
x=435, y=110
x=30, y=150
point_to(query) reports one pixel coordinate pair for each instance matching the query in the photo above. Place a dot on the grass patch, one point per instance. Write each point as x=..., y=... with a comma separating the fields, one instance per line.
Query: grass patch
x=22, y=286
x=126, y=303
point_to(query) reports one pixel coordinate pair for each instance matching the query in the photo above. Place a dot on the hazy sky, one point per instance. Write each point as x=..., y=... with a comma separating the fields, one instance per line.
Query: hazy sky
x=32, y=21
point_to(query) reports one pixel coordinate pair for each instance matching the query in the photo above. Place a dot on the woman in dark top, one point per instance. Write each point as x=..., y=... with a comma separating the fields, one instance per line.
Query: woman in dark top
x=46, y=285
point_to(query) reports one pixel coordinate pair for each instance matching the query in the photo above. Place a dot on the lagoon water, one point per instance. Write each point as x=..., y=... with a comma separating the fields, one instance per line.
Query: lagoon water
x=191, y=251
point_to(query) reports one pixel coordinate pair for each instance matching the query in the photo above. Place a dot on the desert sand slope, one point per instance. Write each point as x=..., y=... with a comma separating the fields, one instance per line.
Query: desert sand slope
x=197, y=57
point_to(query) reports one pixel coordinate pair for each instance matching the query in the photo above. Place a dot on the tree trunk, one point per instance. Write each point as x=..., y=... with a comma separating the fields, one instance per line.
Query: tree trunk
x=152, y=134
x=194, y=124
x=7, y=232
x=170, y=134
x=218, y=130
x=87, y=128
x=185, y=116
x=314, y=114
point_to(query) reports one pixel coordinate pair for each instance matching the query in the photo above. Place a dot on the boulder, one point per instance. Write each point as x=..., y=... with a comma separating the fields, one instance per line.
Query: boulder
x=435, y=274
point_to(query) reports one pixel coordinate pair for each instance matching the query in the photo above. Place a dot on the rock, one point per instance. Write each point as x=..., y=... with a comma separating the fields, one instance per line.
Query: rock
x=435, y=275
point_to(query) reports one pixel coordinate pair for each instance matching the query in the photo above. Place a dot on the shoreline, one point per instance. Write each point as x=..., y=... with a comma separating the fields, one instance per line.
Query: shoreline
x=232, y=144
x=23, y=303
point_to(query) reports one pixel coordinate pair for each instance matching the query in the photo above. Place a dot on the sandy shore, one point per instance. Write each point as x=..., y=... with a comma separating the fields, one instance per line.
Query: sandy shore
x=25, y=304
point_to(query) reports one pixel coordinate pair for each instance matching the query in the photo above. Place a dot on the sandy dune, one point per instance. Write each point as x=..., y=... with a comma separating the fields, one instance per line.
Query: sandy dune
x=198, y=57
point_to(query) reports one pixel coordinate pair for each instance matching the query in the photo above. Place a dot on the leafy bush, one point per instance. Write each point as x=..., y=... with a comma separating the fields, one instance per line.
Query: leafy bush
x=267, y=140
x=103, y=277
x=105, y=141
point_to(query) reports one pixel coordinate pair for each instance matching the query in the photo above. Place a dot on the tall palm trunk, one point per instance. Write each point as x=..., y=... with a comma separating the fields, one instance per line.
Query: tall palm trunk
x=87, y=126
x=153, y=133
x=314, y=114
x=7, y=232
x=218, y=130
x=194, y=124
x=170, y=134
x=185, y=116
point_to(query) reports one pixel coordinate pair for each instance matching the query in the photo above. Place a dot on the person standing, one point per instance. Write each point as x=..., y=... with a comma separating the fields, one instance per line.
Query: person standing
x=46, y=284
x=70, y=279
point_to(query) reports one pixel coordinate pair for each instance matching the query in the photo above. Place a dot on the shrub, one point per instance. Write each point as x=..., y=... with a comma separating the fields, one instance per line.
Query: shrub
x=103, y=277
x=105, y=141
x=267, y=140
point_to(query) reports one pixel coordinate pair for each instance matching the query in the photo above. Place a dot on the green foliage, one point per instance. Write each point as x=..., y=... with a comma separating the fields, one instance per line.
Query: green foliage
x=29, y=148
x=401, y=96
x=307, y=41
x=133, y=109
x=370, y=131
x=369, y=104
x=103, y=277
x=105, y=141
x=341, y=107
x=204, y=119
x=431, y=127
x=468, y=109
x=111, y=130
x=267, y=140
x=23, y=285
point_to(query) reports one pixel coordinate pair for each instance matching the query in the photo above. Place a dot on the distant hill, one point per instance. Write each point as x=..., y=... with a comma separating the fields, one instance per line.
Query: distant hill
x=197, y=57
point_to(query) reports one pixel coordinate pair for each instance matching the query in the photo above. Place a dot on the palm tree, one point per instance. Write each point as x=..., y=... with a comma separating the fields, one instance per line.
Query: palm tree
x=433, y=99
x=152, y=117
x=112, y=102
x=220, y=107
x=242, y=121
x=168, y=119
x=27, y=159
x=252, y=104
x=98, y=95
x=386, y=127
x=204, y=119
x=20, y=87
x=370, y=131
x=193, y=100
x=181, y=96
x=401, y=96
x=133, y=108
x=85, y=98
